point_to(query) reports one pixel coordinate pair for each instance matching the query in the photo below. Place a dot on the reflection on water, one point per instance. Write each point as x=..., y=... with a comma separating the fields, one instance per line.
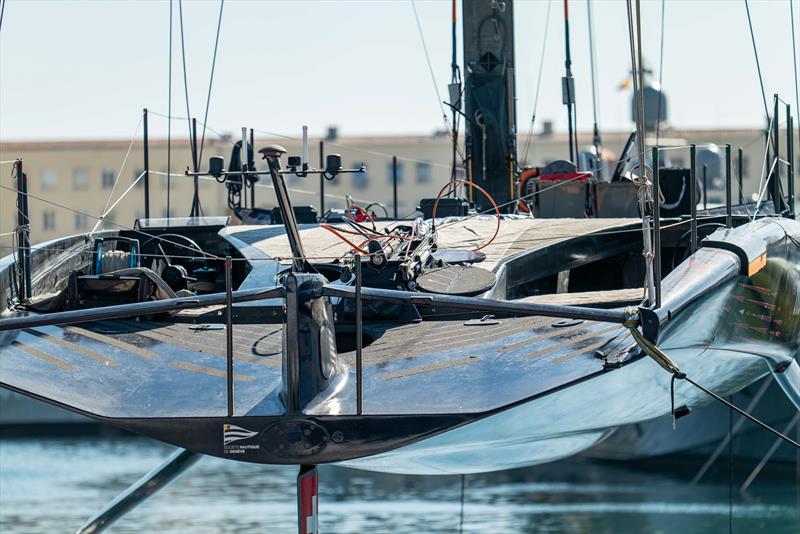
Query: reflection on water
x=54, y=485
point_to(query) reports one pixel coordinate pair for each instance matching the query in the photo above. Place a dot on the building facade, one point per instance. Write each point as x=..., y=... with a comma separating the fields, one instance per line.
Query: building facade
x=72, y=183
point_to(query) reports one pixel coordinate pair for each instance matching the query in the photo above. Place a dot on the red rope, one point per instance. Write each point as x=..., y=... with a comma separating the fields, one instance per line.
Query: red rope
x=482, y=190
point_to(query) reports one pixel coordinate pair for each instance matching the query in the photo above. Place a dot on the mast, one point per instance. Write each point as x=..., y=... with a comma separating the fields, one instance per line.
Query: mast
x=455, y=93
x=489, y=97
x=568, y=89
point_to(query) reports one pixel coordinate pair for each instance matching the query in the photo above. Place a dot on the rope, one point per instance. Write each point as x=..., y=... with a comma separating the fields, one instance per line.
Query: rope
x=653, y=351
x=335, y=232
x=485, y=193
x=758, y=63
x=538, y=82
x=211, y=79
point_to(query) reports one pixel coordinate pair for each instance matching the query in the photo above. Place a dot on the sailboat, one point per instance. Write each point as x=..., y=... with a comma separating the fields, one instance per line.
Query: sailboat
x=466, y=341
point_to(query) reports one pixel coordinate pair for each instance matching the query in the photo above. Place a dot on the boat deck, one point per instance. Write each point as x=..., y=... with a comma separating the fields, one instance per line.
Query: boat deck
x=515, y=236
x=131, y=368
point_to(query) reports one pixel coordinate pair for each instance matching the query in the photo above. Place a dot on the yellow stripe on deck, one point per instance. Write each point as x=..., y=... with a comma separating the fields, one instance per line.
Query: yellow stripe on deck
x=115, y=342
x=74, y=347
x=39, y=354
x=186, y=366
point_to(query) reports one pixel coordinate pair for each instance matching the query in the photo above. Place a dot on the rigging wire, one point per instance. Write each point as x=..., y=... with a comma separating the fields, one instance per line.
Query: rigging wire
x=2, y=11
x=196, y=209
x=433, y=76
x=598, y=144
x=660, y=75
x=211, y=80
x=73, y=210
x=169, y=112
x=758, y=63
x=538, y=82
x=644, y=185
x=119, y=174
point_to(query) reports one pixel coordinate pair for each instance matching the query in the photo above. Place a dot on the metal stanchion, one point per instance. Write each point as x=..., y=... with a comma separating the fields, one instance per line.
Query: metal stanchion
x=359, y=328
x=229, y=329
x=693, y=197
x=728, y=192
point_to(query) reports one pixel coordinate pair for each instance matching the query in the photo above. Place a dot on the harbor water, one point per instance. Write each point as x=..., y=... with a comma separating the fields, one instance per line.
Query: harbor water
x=53, y=485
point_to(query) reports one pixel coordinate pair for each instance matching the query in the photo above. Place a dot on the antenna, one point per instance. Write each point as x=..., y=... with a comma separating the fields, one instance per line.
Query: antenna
x=305, y=147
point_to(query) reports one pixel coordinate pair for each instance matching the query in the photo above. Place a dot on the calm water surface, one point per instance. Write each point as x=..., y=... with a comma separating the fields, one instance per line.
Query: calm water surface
x=53, y=485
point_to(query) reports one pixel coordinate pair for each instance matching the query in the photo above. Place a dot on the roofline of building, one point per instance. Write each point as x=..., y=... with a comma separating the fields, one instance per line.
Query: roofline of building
x=343, y=140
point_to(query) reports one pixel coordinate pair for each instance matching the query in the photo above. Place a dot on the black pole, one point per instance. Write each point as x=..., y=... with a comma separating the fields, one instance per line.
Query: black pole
x=321, y=178
x=567, y=86
x=195, y=211
x=777, y=201
x=741, y=176
x=146, y=168
x=790, y=159
x=359, y=368
x=728, y=192
x=705, y=186
x=23, y=234
x=229, y=330
x=394, y=185
x=657, y=226
x=693, y=197
x=253, y=161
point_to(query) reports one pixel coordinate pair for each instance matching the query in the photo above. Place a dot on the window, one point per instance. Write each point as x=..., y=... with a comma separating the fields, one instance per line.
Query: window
x=49, y=220
x=49, y=180
x=165, y=180
x=423, y=172
x=390, y=172
x=107, y=179
x=164, y=212
x=136, y=174
x=80, y=179
x=359, y=178
x=81, y=221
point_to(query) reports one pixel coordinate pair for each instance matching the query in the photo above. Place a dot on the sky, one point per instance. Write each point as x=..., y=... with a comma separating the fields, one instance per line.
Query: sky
x=85, y=69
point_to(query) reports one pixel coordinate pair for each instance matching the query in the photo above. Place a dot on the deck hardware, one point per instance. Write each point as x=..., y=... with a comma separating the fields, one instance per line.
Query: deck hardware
x=205, y=326
x=566, y=322
x=486, y=320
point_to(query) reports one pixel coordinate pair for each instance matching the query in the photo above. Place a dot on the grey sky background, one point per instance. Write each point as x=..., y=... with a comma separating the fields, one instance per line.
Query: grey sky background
x=85, y=69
